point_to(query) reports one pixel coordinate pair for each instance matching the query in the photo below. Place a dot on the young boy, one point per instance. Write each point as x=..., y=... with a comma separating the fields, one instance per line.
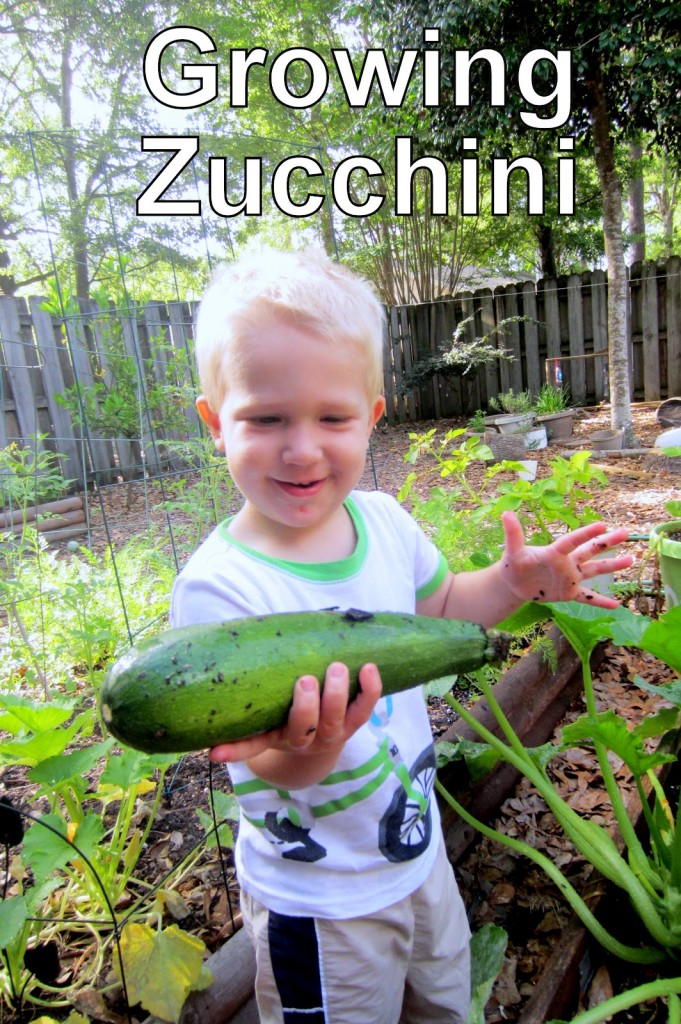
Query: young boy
x=346, y=889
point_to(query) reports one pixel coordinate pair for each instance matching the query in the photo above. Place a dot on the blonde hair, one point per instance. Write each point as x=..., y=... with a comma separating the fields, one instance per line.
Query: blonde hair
x=303, y=288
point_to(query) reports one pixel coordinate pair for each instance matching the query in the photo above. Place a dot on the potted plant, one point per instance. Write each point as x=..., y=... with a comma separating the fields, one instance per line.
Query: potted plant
x=552, y=407
x=476, y=424
x=514, y=412
x=665, y=542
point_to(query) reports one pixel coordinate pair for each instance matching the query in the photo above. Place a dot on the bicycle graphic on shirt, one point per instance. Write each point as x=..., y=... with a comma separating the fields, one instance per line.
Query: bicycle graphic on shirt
x=404, y=830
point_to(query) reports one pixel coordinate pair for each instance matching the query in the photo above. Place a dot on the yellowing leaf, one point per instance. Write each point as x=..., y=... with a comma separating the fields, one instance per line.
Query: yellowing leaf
x=162, y=968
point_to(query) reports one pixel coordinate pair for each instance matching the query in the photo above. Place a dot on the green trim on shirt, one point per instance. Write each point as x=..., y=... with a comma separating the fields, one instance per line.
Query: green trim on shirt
x=319, y=572
x=328, y=572
x=429, y=588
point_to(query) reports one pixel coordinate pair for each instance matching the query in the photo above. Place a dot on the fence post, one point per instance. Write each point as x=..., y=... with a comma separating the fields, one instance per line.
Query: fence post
x=576, y=338
x=674, y=326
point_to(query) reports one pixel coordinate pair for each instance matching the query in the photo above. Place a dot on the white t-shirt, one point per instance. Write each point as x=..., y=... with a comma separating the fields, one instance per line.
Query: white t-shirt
x=365, y=836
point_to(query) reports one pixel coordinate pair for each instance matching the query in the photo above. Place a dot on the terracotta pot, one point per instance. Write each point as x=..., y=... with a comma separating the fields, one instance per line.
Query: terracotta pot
x=605, y=440
x=558, y=424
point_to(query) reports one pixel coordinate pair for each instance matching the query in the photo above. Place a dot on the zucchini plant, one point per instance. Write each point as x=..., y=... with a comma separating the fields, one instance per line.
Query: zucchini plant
x=649, y=872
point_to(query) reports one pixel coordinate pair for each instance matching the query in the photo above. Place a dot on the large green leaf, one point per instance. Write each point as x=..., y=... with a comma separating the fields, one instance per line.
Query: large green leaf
x=130, y=767
x=670, y=691
x=13, y=915
x=32, y=716
x=47, y=850
x=611, y=729
x=488, y=946
x=49, y=743
x=662, y=638
x=62, y=767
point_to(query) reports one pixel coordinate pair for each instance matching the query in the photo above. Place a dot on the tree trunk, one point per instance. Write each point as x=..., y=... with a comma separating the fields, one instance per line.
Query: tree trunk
x=618, y=319
x=667, y=202
x=637, y=224
x=544, y=233
x=77, y=206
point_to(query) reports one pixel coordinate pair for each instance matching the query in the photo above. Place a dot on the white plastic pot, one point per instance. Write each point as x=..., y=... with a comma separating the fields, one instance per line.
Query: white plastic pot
x=536, y=438
x=530, y=470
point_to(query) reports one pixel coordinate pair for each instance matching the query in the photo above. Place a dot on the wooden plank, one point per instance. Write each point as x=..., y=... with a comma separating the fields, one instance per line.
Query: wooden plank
x=576, y=368
x=551, y=318
x=407, y=349
x=599, y=330
x=512, y=331
x=73, y=463
x=673, y=310
x=503, y=341
x=19, y=357
x=650, y=332
x=472, y=400
x=100, y=448
x=155, y=320
x=389, y=335
x=420, y=330
x=431, y=313
x=485, y=326
x=531, y=336
x=182, y=340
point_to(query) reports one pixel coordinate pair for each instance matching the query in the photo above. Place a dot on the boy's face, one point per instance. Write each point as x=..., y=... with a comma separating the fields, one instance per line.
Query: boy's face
x=294, y=424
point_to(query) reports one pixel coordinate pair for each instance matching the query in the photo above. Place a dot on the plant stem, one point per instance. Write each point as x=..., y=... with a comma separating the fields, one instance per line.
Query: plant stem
x=658, y=989
x=34, y=658
x=639, y=860
x=629, y=953
x=590, y=839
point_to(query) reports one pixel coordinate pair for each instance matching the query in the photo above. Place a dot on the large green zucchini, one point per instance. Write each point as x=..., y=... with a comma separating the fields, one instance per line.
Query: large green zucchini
x=190, y=688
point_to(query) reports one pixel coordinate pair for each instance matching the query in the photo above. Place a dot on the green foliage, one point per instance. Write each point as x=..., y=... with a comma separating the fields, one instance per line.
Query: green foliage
x=560, y=499
x=447, y=511
x=476, y=422
x=203, y=497
x=488, y=947
x=30, y=474
x=463, y=358
x=65, y=615
x=512, y=402
x=649, y=870
x=551, y=399
x=466, y=524
x=92, y=806
x=129, y=397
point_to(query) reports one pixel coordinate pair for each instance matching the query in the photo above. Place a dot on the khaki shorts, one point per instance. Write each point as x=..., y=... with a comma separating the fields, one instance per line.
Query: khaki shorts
x=407, y=964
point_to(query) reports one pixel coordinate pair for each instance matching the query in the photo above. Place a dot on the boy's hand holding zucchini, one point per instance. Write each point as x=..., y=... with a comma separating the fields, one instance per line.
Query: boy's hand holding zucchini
x=198, y=686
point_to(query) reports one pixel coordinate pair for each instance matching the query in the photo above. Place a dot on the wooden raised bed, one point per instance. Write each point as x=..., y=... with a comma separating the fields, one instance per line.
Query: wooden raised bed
x=534, y=699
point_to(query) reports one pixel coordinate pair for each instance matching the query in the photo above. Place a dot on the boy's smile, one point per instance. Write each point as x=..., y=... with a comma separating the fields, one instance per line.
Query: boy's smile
x=294, y=425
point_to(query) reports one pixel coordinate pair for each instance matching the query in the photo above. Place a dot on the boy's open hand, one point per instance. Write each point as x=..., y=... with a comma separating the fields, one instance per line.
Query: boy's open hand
x=560, y=571
x=318, y=725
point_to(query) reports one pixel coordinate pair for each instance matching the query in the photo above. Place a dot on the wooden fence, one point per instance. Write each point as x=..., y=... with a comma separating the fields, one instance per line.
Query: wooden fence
x=42, y=355
x=562, y=320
